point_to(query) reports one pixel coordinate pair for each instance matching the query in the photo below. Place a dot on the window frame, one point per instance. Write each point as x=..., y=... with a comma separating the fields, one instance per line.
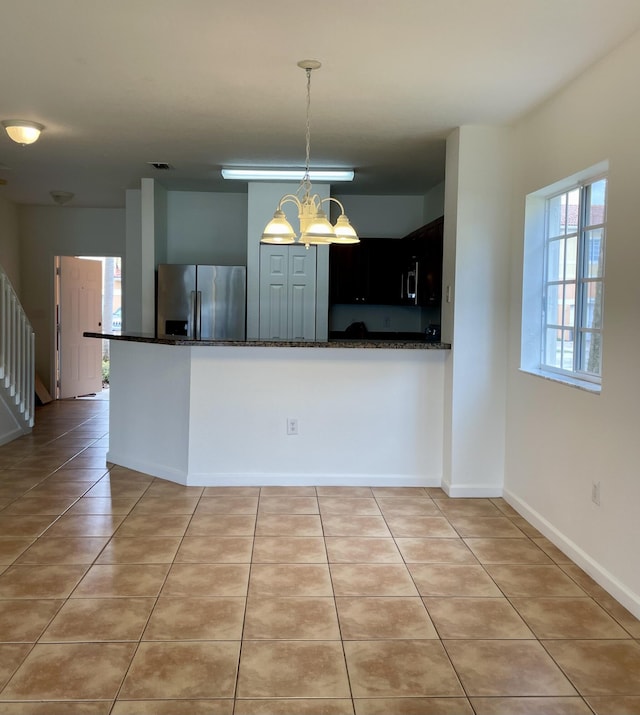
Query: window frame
x=535, y=274
x=580, y=280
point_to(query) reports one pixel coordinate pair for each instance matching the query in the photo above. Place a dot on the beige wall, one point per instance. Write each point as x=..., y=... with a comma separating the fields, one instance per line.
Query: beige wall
x=559, y=439
x=9, y=243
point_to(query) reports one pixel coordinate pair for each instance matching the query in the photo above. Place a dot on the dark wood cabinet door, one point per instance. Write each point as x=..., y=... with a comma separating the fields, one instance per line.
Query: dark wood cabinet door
x=385, y=264
x=368, y=272
x=424, y=254
x=389, y=271
x=348, y=273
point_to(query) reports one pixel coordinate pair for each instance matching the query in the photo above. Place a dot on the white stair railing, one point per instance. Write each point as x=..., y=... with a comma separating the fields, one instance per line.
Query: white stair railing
x=17, y=353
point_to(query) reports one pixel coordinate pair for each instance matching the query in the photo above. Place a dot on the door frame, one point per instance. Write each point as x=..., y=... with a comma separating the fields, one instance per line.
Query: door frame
x=55, y=345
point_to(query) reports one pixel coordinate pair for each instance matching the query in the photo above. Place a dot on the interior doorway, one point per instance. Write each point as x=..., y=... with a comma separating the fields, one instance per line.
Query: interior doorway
x=88, y=297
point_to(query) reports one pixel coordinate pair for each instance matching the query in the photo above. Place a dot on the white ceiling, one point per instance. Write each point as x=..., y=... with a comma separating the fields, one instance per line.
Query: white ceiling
x=202, y=84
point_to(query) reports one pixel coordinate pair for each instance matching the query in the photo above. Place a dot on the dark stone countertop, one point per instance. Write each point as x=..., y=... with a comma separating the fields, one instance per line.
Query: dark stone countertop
x=393, y=344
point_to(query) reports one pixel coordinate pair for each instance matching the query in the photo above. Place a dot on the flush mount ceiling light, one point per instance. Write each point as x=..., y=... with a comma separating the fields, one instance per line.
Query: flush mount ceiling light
x=315, y=227
x=331, y=175
x=22, y=131
x=61, y=197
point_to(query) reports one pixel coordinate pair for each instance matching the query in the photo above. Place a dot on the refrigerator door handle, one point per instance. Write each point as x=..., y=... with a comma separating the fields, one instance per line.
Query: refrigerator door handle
x=412, y=284
x=198, y=316
x=191, y=316
x=415, y=287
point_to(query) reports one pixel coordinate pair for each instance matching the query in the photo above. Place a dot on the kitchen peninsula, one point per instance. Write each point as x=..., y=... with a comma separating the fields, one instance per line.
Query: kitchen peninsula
x=207, y=413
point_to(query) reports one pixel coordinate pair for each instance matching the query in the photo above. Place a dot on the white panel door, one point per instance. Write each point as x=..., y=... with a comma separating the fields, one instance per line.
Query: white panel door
x=302, y=293
x=80, y=310
x=274, y=269
x=287, y=293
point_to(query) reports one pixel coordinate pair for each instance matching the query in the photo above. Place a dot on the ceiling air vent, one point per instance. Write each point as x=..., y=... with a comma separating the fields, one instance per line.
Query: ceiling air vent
x=160, y=165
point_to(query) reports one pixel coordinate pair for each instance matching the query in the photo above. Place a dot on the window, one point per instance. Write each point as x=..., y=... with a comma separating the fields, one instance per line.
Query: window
x=564, y=281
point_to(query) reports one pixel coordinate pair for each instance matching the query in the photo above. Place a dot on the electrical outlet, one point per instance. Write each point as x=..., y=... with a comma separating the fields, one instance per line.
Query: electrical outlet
x=595, y=493
x=292, y=425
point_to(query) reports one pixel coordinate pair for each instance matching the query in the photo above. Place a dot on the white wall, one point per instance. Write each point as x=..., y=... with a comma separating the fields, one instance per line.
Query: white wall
x=434, y=203
x=9, y=243
x=476, y=221
x=561, y=439
x=152, y=248
x=369, y=417
x=160, y=221
x=205, y=227
x=46, y=232
x=383, y=216
x=149, y=407
x=132, y=266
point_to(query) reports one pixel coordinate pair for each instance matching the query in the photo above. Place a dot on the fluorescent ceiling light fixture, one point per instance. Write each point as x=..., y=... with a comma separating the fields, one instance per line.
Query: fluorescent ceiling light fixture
x=287, y=174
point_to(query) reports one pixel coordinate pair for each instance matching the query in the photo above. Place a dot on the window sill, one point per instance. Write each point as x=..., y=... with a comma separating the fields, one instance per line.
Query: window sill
x=592, y=387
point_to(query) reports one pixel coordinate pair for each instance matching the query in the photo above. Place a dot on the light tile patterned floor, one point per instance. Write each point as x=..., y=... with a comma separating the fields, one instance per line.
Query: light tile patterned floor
x=124, y=594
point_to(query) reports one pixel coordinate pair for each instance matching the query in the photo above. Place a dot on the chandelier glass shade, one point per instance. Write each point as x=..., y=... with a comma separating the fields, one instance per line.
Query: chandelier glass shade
x=315, y=227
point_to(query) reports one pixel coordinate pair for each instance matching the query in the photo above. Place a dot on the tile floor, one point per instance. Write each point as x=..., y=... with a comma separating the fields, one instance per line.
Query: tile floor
x=124, y=594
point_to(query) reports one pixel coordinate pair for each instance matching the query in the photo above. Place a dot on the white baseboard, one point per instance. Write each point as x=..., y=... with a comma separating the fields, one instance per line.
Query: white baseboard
x=319, y=480
x=12, y=434
x=215, y=479
x=471, y=490
x=629, y=599
x=147, y=467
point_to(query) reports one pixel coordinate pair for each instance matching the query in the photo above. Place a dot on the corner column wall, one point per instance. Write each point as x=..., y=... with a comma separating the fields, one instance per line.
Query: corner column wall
x=476, y=262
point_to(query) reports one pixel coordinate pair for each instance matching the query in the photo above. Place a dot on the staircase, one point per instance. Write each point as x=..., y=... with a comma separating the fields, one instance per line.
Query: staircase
x=17, y=365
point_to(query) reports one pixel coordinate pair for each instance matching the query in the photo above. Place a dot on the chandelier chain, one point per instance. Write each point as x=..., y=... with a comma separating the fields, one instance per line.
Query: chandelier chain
x=315, y=228
x=307, y=164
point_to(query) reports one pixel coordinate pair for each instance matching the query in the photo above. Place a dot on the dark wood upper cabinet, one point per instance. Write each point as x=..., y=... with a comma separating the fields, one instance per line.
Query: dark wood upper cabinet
x=425, y=248
x=349, y=273
x=368, y=272
x=389, y=271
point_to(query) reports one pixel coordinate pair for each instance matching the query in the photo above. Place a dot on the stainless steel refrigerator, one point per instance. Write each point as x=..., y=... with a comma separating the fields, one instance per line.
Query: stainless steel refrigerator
x=201, y=302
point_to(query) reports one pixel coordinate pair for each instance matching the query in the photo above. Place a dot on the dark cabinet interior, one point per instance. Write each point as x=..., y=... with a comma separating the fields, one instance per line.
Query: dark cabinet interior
x=389, y=271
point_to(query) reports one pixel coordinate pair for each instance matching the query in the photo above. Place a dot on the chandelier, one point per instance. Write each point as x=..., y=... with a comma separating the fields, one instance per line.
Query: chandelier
x=315, y=227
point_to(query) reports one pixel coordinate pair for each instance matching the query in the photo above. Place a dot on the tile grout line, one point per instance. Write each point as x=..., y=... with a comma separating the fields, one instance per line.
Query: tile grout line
x=335, y=606
x=246, y=605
